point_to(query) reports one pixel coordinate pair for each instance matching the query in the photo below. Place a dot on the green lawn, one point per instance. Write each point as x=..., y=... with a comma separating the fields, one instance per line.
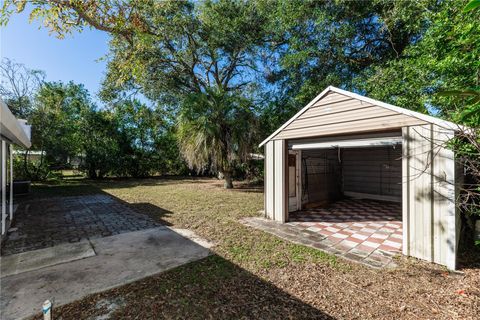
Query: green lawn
x=253, y=274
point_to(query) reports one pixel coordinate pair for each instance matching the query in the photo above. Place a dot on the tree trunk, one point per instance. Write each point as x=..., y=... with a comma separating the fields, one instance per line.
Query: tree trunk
x=228, y=184
x=92, y=173
x=25, y=165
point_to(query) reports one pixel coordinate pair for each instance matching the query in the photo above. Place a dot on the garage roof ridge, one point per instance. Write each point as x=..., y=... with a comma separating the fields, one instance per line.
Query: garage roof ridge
x=427, y=118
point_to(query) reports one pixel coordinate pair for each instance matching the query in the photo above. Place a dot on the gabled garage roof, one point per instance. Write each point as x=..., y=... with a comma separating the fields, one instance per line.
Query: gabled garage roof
x=367, y=108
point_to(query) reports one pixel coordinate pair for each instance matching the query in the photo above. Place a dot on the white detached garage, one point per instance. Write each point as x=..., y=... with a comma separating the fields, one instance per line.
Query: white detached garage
x=344, y=145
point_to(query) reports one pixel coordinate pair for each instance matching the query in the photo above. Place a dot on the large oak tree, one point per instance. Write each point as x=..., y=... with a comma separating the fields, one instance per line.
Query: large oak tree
x=172, y=51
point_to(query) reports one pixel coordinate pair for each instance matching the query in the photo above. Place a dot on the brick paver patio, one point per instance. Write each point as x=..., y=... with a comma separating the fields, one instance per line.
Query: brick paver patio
x=48, y=222
x=363, y=224
x=365, y=231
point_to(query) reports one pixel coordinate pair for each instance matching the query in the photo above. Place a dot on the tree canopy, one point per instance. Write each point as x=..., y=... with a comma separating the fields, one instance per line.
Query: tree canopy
x=446, y=57
x=222, y=74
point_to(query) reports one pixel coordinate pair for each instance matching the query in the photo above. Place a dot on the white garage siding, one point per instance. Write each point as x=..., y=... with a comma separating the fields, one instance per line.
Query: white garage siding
x=339, y=114
x=430, y=216
x=269, y=180
x=276, y=180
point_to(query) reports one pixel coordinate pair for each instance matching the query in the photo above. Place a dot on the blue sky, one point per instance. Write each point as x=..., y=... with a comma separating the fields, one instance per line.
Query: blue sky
x=73, y=58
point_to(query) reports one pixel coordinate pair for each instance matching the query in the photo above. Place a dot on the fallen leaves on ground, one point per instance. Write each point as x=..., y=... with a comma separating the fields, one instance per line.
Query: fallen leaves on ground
x=254, y=275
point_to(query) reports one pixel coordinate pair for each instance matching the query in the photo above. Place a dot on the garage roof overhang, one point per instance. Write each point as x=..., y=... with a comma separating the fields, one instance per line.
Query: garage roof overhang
x=422, y=118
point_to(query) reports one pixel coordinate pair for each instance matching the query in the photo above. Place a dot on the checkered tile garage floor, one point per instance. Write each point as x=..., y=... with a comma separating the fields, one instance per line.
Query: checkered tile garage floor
x=364, y=226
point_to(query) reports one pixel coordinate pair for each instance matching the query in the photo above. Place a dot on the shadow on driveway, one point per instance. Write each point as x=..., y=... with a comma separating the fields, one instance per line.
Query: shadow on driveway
x=117, y=260
x=211, y=288
x=53, y=216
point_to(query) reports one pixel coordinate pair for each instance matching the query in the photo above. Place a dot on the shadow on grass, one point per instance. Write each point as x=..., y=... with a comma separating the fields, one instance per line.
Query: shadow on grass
x=211, y=288
x=153, y=181
x=63, y=188
x=469, y=258
x=246, y=187
x=82, y=186
x=156, y=213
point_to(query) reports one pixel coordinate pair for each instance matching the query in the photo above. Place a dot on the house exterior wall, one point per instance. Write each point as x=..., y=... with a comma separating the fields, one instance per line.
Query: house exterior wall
x=276, y=207
x=6, y=185
x=12, y=132
x=3, y=184
x=430, y=216
x=339, y=114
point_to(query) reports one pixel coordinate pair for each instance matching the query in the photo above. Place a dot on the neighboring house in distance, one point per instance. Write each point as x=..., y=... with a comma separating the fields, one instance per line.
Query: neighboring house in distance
x=31, y=155
x=367, y=149
x=13, y=131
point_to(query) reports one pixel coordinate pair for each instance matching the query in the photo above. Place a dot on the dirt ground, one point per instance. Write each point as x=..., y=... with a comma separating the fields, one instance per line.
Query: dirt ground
x=254, y=275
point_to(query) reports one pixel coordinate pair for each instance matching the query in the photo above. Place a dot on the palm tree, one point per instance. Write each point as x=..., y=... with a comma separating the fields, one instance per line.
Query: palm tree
x=216, y=131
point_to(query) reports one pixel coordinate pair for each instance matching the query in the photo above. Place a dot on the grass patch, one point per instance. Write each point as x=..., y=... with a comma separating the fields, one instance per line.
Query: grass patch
x=212, y=288
x=255, y=275
x=214, y=213
x=301, y=253
x=63, y=188
x=203, y=206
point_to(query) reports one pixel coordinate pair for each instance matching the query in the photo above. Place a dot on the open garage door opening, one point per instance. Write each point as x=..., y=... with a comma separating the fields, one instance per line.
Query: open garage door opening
x=349, y=189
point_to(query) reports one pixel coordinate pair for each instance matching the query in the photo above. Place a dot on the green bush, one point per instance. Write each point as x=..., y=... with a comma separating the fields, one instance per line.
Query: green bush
x=34, y=170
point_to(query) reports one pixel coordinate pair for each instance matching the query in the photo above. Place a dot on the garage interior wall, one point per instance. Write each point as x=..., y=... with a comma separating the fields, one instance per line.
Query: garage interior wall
x=369, y=172
x=374, y=173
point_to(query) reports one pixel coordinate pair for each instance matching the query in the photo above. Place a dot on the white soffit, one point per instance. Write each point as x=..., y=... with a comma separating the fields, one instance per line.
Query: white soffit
x=10, y=127
x=354, y=143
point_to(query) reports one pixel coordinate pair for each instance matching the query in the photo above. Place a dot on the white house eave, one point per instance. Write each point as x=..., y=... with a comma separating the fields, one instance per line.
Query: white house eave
x=442, y=123
x=11, y=129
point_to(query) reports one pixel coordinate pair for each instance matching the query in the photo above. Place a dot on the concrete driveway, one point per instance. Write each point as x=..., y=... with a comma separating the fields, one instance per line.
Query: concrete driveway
x=64, y=248
x=116, y=260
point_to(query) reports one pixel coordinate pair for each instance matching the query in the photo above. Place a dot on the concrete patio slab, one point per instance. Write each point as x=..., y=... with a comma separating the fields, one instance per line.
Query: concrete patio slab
x=37, y=259
x=119, y=260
